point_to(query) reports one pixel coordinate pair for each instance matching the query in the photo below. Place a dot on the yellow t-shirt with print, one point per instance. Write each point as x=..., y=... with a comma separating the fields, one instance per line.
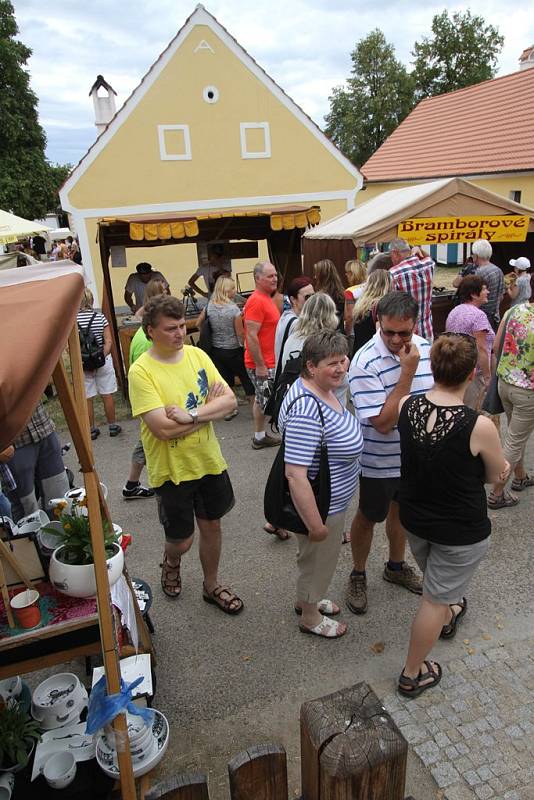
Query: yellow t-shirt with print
x=153, y=384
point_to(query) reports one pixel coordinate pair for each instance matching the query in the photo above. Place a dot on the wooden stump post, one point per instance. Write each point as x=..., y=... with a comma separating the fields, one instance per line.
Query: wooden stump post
x=259, y=773
x=351, y=749
x=189, y=786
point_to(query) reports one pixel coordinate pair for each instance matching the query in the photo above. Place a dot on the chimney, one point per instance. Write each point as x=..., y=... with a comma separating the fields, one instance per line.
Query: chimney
x=526, y=59
x=104, y=104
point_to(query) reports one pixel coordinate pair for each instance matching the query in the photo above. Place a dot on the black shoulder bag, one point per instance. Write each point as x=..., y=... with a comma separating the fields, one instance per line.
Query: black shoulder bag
x=270, y=404
x=205, y=338
x=278, y=505
x=492, y=403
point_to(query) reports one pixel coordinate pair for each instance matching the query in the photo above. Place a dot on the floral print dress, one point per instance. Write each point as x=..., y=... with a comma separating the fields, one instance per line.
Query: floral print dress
x=516, y=365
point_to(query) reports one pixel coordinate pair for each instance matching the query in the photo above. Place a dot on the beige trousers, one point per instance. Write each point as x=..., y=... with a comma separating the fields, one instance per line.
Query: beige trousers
x=317, y=561
x=519, y=409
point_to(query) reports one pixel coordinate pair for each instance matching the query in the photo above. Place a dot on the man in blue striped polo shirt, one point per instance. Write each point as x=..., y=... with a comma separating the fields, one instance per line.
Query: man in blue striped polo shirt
x=393, y=364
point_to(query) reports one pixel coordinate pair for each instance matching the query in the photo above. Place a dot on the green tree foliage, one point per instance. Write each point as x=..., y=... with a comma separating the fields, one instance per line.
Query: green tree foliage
x=462, y=51
x=377, y=97
x=28, y=183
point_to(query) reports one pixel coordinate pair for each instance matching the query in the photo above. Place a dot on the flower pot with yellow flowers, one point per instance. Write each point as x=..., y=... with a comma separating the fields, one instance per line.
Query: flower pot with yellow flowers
x=71, y=568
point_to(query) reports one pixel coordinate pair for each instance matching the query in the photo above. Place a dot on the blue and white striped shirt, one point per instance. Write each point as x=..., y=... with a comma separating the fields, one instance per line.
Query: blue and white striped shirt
x=373, y=374
x=302, y=430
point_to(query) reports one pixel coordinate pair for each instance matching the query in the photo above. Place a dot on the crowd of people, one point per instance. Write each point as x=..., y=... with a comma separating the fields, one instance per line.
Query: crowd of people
x=397, y=412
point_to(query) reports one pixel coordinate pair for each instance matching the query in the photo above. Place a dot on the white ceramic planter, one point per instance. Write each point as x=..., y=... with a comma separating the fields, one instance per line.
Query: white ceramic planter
x=79, y=580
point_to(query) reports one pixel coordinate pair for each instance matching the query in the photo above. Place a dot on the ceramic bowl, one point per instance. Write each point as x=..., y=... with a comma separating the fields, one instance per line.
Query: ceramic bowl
x=58, y=699
x=106, y=755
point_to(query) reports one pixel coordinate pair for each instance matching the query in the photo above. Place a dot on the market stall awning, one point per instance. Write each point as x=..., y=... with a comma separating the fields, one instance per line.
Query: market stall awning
x=13, y=228
x=176, y=226
x=38, y=307
x=377, y=220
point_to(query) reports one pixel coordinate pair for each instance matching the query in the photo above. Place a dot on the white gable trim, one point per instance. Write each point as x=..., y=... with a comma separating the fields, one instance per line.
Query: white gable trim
x=199, y=17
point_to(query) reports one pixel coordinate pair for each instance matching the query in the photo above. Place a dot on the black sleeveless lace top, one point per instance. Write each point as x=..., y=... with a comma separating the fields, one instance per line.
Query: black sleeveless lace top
x=441, y=496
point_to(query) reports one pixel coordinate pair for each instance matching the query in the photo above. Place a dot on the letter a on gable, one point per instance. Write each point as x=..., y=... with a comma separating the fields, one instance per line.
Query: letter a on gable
x=203, y=45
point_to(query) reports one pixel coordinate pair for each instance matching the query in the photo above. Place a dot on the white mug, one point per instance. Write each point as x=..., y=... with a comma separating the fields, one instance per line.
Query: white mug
x=7, y=782
x=60, y=770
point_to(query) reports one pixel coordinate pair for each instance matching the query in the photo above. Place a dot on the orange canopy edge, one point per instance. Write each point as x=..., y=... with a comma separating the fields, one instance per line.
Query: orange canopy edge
x=38, y=308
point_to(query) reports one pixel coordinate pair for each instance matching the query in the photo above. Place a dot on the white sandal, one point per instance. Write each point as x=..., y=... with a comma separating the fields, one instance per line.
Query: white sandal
x=325, y=606
x=327, y=628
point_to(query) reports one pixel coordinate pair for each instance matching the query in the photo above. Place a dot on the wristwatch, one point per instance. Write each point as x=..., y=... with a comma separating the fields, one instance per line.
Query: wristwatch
x=194, y=415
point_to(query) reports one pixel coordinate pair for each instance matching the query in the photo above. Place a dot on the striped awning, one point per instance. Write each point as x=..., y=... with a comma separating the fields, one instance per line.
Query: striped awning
x=151, y=230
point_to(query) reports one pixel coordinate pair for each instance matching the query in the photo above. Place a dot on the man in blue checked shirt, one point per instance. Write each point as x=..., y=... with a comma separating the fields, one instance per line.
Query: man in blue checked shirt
x=393, y=364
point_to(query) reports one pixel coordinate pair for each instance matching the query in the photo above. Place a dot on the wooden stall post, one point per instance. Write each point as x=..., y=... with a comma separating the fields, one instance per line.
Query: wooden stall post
x=189, y=786
x=259, y=773
x=107, y=629
x=350, y=748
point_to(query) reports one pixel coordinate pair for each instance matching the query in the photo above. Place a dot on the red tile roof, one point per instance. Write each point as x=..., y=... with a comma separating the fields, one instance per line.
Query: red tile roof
x=486, y=128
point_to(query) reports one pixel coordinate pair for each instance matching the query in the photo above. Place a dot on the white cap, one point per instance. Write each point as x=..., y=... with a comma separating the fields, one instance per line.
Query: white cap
x=520, y=263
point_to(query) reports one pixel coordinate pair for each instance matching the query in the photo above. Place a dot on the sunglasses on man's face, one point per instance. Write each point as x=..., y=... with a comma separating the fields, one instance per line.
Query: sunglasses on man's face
x=404, y=335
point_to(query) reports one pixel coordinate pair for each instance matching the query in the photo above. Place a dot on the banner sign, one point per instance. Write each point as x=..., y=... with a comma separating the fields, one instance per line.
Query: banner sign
x=442, y=230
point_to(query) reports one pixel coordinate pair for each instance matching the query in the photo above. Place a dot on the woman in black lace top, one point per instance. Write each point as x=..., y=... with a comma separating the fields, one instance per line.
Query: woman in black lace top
x=448, y=452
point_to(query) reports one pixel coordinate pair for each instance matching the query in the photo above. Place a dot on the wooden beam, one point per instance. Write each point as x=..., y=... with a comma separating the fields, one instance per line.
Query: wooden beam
x=259, y=773
x=351, y=748
x=94, y=504
x=108, y=307
x=80, y=399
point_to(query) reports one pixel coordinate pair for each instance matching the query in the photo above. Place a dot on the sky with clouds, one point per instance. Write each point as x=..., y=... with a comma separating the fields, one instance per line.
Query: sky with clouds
x=304, y=45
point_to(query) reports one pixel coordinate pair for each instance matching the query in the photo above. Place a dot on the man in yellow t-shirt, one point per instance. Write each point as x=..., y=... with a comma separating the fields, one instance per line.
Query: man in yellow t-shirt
x=178, y=392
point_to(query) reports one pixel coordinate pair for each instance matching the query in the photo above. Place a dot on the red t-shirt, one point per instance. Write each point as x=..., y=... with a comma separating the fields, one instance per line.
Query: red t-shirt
x=260, y=308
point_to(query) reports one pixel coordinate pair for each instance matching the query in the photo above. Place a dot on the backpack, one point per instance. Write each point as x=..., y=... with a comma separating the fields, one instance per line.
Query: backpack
x=92, y=352
x=287, y=378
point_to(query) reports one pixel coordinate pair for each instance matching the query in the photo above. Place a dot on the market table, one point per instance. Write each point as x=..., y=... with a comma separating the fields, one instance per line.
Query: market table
x=69, y=629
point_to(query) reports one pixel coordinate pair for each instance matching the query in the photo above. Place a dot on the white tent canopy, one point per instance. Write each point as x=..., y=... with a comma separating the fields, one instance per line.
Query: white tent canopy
x=13, y=228
x=378, y=218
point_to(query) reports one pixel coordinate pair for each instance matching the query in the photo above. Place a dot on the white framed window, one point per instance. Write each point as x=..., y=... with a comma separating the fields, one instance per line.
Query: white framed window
x=174, y=142
x=255, y=140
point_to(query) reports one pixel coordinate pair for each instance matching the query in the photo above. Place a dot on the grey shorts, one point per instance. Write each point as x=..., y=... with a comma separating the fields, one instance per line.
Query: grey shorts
x=447, y=570
x=138, y=455
x=258, y=383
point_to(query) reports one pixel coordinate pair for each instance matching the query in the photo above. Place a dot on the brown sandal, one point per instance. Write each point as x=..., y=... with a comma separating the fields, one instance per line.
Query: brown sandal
x=171, y=581
x=280, y=533
x=226, y=604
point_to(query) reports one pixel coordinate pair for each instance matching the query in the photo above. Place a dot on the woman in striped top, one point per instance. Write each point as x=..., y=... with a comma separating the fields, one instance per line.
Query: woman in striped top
x=324, y=369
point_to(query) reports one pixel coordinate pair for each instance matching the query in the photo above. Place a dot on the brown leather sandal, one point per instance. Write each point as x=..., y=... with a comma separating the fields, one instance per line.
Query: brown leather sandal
x=171, y=581
x=224, y=598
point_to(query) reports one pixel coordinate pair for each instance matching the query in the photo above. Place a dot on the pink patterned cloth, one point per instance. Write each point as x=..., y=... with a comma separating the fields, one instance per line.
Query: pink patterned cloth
x=55, y=608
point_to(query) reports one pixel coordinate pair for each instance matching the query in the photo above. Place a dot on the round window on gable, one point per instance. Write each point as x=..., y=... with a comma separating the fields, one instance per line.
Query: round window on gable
x=210, y=94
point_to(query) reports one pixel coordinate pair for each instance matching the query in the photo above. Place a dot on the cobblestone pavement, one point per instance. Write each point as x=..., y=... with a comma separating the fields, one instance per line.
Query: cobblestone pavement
x=475, y=731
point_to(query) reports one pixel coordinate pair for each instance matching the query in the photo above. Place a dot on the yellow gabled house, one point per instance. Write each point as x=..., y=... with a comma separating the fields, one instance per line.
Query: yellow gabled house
x=206, y=130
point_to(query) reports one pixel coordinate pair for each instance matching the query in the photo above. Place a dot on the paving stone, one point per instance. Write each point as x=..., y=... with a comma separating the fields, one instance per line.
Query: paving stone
x=444, y=774
x=468, y=730
x=442, y=740
x=401, y=717
x=415, y=734
x=477, y=661
x=472, y=777
x=482, y=725
x=514, y=731
x=459, y=705
x=463, y=764
x=498, y=767
x=511, y=796
x=428, y=752
x=487, y=740
x=484, y=791
x=452, y=752
x=478, y=758
x=462, y=748
x=497, y=786
x=458, y=791
x=485, y=773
